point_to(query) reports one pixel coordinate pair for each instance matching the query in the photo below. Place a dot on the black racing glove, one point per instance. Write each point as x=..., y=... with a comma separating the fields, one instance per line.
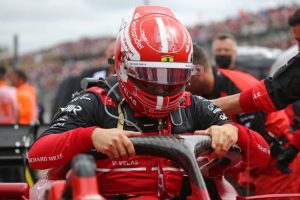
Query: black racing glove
x=285, y=158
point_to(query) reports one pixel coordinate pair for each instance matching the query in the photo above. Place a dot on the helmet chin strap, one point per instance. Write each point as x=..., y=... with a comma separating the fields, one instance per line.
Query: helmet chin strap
x=117, y=117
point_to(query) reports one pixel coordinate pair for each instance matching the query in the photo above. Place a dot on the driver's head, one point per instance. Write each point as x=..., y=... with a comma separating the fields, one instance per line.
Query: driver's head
x=224, y=50
x=153, y=60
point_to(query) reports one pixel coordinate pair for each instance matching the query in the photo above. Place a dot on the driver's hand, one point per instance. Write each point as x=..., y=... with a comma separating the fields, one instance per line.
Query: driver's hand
x=223, y=137
x=114, y=142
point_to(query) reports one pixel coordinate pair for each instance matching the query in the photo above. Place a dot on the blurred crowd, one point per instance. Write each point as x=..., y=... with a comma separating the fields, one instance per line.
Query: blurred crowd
x=59, y=62
x=18, y=100
x=268, y=28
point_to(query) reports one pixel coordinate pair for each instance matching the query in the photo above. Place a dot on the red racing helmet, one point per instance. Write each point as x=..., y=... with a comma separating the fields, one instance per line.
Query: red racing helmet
x=153, y=60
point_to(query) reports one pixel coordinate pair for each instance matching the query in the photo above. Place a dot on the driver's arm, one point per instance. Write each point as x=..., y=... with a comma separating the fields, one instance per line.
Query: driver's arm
x=69, y=134
x=250, y=142
x=76, y=130
x=210, y=120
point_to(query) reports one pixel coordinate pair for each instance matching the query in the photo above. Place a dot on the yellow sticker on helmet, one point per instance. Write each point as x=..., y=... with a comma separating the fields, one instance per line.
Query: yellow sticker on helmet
x=167, y=59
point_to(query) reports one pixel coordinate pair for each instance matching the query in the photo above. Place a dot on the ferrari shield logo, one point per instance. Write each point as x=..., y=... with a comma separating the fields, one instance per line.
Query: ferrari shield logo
x=167, y=59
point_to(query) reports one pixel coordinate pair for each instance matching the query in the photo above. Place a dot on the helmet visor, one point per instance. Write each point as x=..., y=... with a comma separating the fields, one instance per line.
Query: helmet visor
x=159, y=78
x=166, y=73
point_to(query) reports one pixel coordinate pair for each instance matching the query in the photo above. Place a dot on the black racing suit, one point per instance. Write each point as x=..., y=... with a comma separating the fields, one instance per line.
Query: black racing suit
x=71, y=130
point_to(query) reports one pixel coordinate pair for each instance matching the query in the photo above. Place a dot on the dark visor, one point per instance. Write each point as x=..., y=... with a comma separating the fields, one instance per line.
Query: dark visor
x=167, y=73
